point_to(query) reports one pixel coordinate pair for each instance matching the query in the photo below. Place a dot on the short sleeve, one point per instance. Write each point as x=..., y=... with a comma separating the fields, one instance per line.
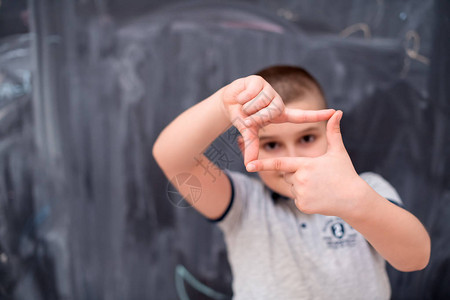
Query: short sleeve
x=234, y=216
x=382, y=187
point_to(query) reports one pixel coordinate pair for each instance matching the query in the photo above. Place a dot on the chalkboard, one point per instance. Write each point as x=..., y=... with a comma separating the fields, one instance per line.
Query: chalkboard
x=87, y=214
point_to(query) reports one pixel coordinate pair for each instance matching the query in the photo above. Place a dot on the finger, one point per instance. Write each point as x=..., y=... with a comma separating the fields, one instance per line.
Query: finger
x=334, y=136
x=288, y=177
x=252, y=86
x=234, y=89
x=251, y=144
x=295, y=115
x=267, y=114
x=261, y=100
x=285, y=164
x=295, y=194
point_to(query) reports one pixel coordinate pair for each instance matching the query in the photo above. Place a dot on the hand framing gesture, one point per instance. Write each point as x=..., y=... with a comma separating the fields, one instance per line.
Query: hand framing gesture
x=324, y=184
x=252, y=103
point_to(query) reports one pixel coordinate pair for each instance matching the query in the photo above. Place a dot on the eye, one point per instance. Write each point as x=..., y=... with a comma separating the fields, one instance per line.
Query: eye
x=270, y=146
x=307, y=139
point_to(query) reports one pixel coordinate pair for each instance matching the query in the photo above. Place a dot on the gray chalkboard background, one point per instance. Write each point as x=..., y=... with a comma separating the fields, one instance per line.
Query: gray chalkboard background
x=85, y=213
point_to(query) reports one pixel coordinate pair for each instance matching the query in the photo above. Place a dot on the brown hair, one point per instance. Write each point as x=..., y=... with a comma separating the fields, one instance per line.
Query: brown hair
x=292, y=82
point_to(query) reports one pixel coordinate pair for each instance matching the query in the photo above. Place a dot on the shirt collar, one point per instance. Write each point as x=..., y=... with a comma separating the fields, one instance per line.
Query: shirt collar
x=277, y=197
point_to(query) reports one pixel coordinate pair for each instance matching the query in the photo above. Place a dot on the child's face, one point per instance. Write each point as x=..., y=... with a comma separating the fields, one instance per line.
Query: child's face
x=289, y=139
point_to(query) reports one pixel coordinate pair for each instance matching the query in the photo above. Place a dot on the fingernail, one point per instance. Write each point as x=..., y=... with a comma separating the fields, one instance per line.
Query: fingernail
x=251, y=167
x=248, y=122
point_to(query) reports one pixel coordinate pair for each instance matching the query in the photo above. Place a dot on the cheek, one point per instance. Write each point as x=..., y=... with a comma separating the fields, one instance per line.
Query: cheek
x=272, y=153
x=264, y=154
x=319, y=149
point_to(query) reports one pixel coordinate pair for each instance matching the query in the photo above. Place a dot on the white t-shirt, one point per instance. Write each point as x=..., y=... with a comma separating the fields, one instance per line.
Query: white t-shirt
x=278, y=252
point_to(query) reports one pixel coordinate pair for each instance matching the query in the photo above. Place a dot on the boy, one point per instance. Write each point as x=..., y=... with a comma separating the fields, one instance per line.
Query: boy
x=311, y=227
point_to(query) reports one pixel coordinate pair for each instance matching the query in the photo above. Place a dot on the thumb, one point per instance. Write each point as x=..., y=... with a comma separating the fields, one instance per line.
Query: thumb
x=334, y=136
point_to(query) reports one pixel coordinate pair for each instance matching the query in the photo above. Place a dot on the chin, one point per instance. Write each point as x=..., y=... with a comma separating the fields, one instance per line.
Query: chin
x=284, y=189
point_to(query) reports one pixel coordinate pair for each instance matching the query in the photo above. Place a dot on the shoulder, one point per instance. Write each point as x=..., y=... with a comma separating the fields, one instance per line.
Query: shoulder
x=381, y=186
x=244, y=185
x=246, y=196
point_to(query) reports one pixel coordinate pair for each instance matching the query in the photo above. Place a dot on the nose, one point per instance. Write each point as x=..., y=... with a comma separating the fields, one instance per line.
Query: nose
x=291, y=151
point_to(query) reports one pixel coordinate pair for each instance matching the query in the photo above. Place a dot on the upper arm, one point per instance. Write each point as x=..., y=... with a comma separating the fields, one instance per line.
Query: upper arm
x=213, y=196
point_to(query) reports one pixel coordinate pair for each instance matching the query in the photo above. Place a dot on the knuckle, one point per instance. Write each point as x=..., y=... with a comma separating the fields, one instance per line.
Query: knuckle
x=307, y=165
x=278, y=105
x=298, y=177
x=304, y=206
x=265, y=100
x=255, y=77
x=260, y=103
x=236, y=82
x=262, y=117
x=301, y=178
x=308, y=210
x=277, y=164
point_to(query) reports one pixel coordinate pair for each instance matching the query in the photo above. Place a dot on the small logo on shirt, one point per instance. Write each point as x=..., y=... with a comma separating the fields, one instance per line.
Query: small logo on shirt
x=338, y=230
x=338, y=234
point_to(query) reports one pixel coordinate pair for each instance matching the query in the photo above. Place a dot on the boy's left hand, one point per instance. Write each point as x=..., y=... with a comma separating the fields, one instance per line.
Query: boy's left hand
x=327, y=184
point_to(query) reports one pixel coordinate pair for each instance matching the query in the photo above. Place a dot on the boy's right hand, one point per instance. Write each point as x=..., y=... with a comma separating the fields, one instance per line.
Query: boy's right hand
x=251, y=103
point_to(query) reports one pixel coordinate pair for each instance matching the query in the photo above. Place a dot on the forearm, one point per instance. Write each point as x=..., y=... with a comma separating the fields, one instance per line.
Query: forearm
x=394, y=232
x=185, y=138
